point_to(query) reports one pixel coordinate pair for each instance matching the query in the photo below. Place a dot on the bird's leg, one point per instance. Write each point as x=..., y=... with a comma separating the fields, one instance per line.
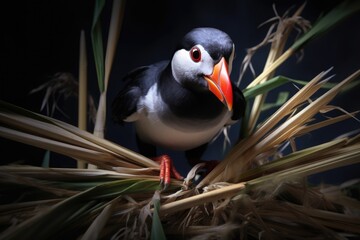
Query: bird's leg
x=167, y=170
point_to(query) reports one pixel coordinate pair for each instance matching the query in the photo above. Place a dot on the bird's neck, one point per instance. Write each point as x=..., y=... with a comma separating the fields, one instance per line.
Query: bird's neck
x=188, y=102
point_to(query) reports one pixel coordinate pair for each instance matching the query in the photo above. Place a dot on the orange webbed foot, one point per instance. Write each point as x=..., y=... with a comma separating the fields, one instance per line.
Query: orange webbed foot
x=167, y=170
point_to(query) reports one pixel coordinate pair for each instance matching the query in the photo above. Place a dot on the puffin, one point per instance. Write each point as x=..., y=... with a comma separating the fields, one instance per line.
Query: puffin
x=184, y=103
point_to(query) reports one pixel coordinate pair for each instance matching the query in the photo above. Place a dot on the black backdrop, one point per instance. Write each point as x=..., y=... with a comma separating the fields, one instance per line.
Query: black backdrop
x=42, y=38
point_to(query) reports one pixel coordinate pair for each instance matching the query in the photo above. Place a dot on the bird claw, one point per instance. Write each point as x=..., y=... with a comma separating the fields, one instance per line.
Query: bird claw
x=167, y=170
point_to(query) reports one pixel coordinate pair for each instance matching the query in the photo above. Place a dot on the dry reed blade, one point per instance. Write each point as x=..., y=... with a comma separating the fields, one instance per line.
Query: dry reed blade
x=117, y=15
x=70, y=150
x=114, y=32
x=196, y=200
x=339, y=221
x=82, y=105
x=68, y=174
x=293, y=159
x=325, y=123
x=96, y=227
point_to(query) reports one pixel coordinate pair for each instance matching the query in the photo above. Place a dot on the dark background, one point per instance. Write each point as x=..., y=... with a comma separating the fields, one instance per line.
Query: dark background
x=41, y=38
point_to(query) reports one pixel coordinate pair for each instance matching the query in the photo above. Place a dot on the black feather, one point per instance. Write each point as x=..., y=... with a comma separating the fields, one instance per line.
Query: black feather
x=239, y=103
x=136, y=84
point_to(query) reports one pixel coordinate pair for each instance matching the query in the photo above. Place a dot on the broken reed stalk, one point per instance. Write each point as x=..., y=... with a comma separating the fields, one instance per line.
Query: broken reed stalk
x=82, y=109
x=196, y=200
x=113, y=36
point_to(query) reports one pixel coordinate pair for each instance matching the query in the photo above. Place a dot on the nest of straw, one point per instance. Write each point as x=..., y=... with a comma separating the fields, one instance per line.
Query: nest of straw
x=257, y=192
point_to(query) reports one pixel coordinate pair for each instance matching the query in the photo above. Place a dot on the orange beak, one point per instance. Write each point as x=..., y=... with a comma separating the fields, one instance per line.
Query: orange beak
x=220, y=84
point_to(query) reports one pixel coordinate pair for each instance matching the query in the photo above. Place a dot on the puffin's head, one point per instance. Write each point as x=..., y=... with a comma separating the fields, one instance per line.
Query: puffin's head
x=203, y=62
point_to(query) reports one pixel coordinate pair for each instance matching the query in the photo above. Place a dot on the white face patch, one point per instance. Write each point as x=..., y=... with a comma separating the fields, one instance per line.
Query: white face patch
x=183, y=67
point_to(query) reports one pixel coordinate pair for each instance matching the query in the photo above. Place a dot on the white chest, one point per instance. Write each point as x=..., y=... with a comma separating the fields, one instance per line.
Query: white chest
x=180, y=134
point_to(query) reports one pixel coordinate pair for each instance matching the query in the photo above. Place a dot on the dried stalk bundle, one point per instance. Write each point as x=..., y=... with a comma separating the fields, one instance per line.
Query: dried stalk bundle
x=257, y=191
x=62, y=85
x=57, y=136
x=295, y=116
x=278, y=39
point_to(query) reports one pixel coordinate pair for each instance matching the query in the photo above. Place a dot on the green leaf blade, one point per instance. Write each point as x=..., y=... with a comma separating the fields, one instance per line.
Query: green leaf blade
x=97, y=43
x=265, y=87
x=157, y=231
x=330, y=20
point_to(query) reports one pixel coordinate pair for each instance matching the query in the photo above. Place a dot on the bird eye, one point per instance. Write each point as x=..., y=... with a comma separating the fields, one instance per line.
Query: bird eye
x=195, y=54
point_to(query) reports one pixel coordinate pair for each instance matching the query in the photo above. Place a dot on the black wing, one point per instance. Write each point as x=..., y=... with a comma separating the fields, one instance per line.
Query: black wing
x=136, y=84
x=125, y=102
x=239, y=103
